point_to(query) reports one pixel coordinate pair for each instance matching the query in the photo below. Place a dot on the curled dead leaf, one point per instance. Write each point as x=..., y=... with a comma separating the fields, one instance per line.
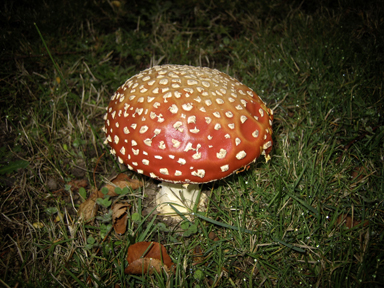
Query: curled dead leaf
x=122, y=181
x=76, y=184
x=88, y=209
x=349, y=222
x=147, y=257
x=119, y=217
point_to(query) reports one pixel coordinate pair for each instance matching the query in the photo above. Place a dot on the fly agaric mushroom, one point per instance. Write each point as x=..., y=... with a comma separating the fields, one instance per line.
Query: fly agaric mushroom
x=186, y=125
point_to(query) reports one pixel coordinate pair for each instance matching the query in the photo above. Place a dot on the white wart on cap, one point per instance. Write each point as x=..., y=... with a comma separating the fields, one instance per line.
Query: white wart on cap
x=185, y=124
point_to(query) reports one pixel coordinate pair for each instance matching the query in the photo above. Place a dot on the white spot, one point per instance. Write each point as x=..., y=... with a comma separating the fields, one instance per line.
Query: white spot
x=187, y=106
x=177, y=94
x=243, y=118
x=205, y=84
x=202, y=109
x=116, y=139
x=239, y=107
x=209, y=137
x=162, y=145
x=178, y=173
x=216, y=114
x=188, y=147
x=163, y=81
x=145, y=161
x=199, y=173
x=167, y=95
x=191, y=119
x=208, y=120
x=148, y=142
x=133, y=143
x=261, y=111
x=231, y=125
x=227, y=136
x=197, y=155
x=109, y=139
x=157, y=131
x=181, y=161
x=224, y=168
x=194, y=130
x=208, y=102
x=221, y=154
x=255, y=133
x=197, y=99
x=155, y=91
x=176, y=144
x=192, y=82
x=164, y=171
x=267, y=145
x=173, y=109
x=237, y=141
x=241, y=155
x=217, y=126
x=177, y=126
x=229, y=114
x=188, y=90
x=171, y=156
x=120, y=160
x=140, y=100
x=219, y=101
x=135, y=151
x=122, y=150
x=156, y=105
x=158, y=157
x=133, y=126
x=143, y=129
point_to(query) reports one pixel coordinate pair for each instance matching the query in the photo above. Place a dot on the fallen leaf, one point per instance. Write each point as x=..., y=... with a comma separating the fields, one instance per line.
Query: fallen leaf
x=88, y=209
x=120, y=217
x=38, y=225
x=147, y=257
x=76, y=184
x=122, y=181
x=348, y=221
x=198, y=255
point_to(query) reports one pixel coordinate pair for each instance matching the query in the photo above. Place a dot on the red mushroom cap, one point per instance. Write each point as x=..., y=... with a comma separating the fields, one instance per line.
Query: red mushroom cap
x=187, y=124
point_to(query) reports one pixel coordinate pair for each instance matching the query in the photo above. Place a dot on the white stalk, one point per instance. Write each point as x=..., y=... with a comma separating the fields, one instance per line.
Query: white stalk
x=182, y=196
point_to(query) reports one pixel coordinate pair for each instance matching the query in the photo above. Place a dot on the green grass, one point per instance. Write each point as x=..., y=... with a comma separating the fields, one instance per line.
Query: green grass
x=318, y=65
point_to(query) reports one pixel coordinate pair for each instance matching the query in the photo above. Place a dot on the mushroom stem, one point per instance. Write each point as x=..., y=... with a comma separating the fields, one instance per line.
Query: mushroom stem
x=182, y=196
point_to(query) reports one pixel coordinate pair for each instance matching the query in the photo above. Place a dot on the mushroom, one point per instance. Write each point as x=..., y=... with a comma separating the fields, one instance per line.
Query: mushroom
x=186, y=125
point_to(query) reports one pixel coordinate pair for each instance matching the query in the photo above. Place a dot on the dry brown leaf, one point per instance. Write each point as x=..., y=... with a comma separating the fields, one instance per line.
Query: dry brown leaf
x=76, y=184
x=88, y=209
x=147, y=257
x=198, y=255
x=348, y=221
x=122, y=180
x=119, y=217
